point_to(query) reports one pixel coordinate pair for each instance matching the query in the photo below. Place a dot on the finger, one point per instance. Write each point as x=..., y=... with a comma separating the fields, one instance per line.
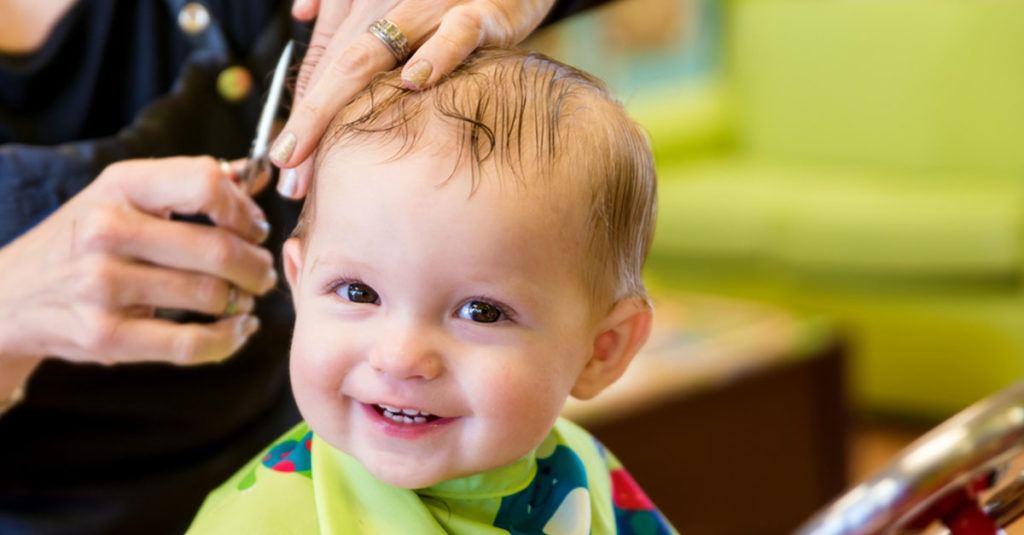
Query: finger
x=305, y=10
x=330, y=18
x=190, y=185
x=136, y=289
x=335, y=31
x=294, y=182
x=348, y=74
x=157, y=287
x=140, y=312
x=257, y=182
x=235, y=168
x=185, y=344
x=260, y=181
x=339, y=76
x=461, y=31
x=193, y=247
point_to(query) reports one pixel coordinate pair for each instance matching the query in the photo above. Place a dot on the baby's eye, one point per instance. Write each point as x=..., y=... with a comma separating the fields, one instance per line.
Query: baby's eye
x=481, y=312
x=358, y=292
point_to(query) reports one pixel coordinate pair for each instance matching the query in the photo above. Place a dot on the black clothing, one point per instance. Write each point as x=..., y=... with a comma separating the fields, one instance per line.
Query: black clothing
x=135, y=448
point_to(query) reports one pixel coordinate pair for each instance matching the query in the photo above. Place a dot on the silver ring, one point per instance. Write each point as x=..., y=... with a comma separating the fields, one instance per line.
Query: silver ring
x=392, y=37
x=232, y=306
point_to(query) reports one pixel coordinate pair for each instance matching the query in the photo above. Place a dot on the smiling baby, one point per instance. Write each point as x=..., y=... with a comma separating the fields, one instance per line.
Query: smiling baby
x=468, y=257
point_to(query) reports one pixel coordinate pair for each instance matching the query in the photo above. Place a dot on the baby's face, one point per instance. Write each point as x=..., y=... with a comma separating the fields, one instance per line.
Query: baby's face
x=438, y=334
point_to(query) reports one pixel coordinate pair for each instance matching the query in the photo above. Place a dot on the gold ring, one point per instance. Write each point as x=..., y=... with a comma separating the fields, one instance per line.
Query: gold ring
x=226, y=169
x=232, y=306
x=392, y=37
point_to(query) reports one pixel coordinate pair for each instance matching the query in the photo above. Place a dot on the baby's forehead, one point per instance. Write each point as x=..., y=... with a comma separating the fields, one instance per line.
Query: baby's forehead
x=426, y=175
x=415, y=196
x=523, y=124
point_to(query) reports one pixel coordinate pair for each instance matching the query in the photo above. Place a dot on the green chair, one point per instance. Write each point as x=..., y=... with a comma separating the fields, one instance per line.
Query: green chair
x=862, y=160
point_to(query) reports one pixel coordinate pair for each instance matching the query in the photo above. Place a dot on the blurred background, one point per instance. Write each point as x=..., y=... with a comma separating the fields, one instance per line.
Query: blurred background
x=837, y=265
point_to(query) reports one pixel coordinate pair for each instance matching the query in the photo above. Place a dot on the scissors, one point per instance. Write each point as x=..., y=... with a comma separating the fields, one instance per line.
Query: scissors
x=259, y=160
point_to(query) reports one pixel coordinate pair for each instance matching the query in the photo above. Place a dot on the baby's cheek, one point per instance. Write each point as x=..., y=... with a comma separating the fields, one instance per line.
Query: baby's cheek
x=529, y=399
x=317, y=375
x=317, y=364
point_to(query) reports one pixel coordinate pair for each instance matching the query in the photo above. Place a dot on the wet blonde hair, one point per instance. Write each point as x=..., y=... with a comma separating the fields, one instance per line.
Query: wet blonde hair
x=523, y=114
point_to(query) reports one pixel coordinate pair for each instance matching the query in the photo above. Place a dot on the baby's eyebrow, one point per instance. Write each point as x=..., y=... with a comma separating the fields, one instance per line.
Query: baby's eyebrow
x=519, y=290
x=327, y=260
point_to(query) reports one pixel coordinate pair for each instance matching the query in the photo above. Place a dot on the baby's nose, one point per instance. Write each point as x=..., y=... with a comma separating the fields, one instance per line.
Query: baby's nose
x=407, y=355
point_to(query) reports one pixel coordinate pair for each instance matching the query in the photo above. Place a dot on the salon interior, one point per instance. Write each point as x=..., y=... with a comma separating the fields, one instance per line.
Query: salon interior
x=837, y=273
x=837, y=263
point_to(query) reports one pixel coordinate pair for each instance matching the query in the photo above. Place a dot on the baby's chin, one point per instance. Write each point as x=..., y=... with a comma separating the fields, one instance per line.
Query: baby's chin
x=417, y=475
x=409, y=477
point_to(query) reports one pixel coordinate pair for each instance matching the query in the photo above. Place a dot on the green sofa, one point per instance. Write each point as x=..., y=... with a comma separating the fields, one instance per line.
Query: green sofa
x=862, y=160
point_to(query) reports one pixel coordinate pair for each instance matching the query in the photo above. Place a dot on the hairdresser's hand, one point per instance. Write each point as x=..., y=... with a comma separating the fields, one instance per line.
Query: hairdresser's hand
x=82, y=285
x=343, y=57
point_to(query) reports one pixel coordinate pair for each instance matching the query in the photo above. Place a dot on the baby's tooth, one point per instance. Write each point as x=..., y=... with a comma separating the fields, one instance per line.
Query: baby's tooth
x=407, y=416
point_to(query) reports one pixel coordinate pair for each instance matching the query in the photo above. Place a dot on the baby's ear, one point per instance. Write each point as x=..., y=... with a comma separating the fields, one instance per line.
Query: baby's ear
x=621, y=335
x=292, y=258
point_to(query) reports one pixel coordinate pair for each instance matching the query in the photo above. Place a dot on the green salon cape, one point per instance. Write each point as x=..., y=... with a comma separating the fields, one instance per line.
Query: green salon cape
x=569, y=485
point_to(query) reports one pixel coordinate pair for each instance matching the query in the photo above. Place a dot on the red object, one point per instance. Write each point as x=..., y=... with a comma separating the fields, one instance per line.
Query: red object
x=626, y=494
x=284, y=466
x=969, y=519
x=949, y=504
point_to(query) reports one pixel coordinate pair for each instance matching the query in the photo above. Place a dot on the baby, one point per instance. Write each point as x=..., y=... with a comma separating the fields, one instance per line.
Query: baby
x=468, y=257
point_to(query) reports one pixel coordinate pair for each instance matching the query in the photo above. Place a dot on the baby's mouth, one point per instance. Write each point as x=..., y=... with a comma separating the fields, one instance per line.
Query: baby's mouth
x=405, y=416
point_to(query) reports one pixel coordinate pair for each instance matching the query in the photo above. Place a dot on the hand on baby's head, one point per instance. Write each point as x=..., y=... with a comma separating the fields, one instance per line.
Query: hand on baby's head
x=468, y=257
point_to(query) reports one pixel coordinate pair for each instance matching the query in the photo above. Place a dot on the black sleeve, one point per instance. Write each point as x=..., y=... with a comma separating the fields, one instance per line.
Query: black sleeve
x=565, y=8
x=191, y=119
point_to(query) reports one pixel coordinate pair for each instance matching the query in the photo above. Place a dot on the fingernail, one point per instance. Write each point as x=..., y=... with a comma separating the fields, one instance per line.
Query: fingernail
x=300, y=7
x=415, y=75
x=287, y=182
x=260, y=229
x=283, y=147
x=270, y=280
x=250, y=325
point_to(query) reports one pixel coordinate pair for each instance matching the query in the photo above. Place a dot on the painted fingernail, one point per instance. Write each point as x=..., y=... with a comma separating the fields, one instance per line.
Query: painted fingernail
x=250, y=325
x=260, y=229
x=270, y=280
x=287, y=182
x=415, y=75
x=283, y=147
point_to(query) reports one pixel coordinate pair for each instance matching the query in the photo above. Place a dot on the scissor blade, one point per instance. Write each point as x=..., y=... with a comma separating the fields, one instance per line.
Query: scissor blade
x=259, y=144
